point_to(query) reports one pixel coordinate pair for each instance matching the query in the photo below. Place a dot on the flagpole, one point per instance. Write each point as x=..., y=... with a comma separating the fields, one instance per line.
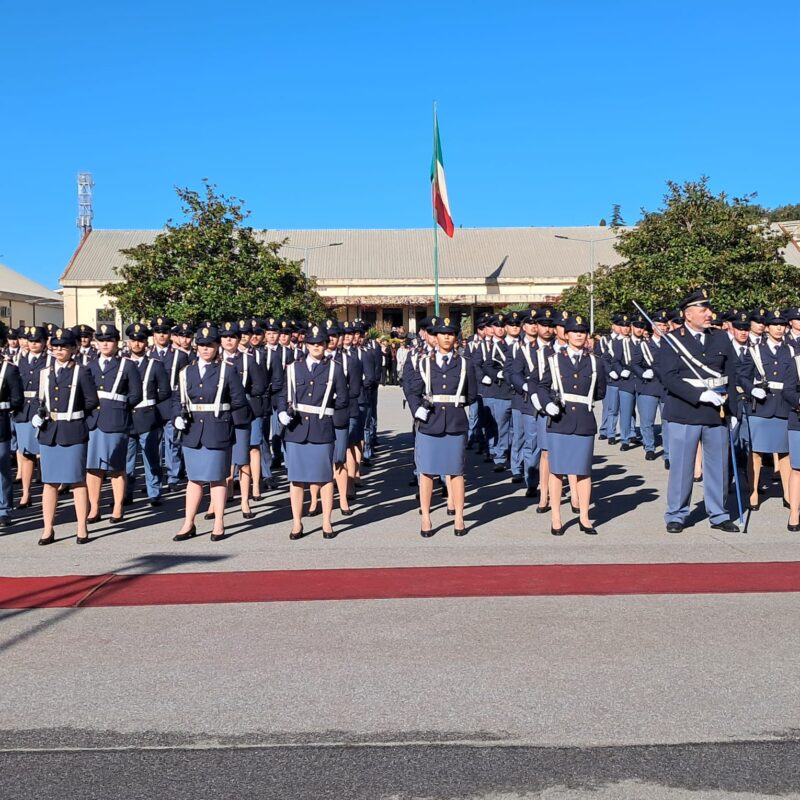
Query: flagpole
x=435, y=227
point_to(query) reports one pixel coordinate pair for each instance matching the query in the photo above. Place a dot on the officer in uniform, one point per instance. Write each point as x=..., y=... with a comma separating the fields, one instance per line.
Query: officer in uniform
x=210, y=393
x=697, y=375
x=11, y=401
x=314, y=388
x=739, y=335
x=275, y=366
x=517, y=433
x=67, y=395
x=621, y=359
x=608, y=425
x=147, y=417
x=497, y=397
x=475, y=352
x=86, y=352
x=119, y=389
x=792, y=315
x=649, y=389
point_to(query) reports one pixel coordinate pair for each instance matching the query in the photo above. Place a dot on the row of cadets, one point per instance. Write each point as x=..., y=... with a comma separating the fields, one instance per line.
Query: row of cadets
x=67, y=396
x=209, y=399
x=572, y=382
x=84, y=335
x=148, y=417
x=119, y=389
x=11, y=402
x=314, y=388
x=475, y=353
x=619, y=359
x=438, y=392
x=792, y=338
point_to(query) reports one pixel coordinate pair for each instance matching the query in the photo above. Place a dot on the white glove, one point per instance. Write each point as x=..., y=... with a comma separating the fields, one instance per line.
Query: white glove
x=758, y=393
x=37, y=421
x=422, y=413
x=284, y=418
x=524, y=387
x=711, y=397
x=734, y=423
x=486, y=380
x=626, y=373
x=499, y=374
x=179, y=424
x=647, y=375
x=551, y=409
x=536, y=403
x=613, y=375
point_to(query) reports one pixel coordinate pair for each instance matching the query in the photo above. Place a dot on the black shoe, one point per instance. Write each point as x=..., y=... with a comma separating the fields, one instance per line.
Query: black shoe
x=95, y=518
x=649, y=456
x=727, y=526
x=328, y=534
x=270, y=485
x=469, y=446
x=531, y=493
x=451, y=512
x=786, y=504
x=312, y=512
x=248, y=514
x=217, y=537
x=666, y=463
x=463, y=531
x=128, y=501
x=5, y=521
x=499, y=467
x=588, y=530
x=698, y=480
x=444, y=491
x=182, y=537
x=793, y=528
x=426, y=534
x=116, y=520
x=612, y=440
x=574, y=510
x=674, y=527
x=346, y=512
x=602, y=437
x=209, y=515
x=542, y=509
x=516, y=479
x=169, y=488
x=49, y=540
x=624, y=447
x=27, y=504
x=81, y=540
x=298, y=535
x=155, y=502
x=755, y=507
x=557, y=531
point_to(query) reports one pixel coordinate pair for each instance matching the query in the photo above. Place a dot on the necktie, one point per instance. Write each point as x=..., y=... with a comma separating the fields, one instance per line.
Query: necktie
x=445, y=361
x=202, y=368
x=575, y=361
x=742, y=351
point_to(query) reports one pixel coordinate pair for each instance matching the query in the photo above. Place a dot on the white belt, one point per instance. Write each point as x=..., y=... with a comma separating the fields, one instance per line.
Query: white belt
x=209, y=407
x=30, y=395
x=63, y=416
x=777, y=385
x=448, y=398
x=5, y=406
x=577, y=398
x=707, y=383
x=327, y=412
x=145, y=404
x=120, y=398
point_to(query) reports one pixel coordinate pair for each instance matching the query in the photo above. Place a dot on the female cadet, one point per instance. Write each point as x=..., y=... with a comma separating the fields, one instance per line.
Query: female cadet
x=119, y=389
x=790, y=377
x=439, y=392
x=210, y=392
x=573, y=380
x=759, y=376
x=248, y=421
x=30, y=367
x=66, y=395
x=11, y=401
x=314, y=388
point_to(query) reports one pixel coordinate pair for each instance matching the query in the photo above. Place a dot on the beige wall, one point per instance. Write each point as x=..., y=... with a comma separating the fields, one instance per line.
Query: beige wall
x=81, y=304
x=23, y=313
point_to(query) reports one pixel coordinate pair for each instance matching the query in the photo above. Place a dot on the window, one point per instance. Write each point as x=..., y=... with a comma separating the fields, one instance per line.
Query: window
x=392, y=317
x=105, y=316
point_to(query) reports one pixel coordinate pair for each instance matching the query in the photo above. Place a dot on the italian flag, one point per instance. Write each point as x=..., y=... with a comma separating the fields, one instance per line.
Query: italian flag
x=441, y=205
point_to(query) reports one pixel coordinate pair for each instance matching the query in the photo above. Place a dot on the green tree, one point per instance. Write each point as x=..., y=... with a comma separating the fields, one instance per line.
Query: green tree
x=696, y=239
x=616, y=216
x=211, y=266
x=602, y=222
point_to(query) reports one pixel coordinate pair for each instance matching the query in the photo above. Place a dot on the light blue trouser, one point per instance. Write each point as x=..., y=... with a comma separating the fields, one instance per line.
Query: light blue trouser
x=6, y=482
x=276, y=439
x=531, y=451
x=647, y=405
x=13, y=437
x=264, y=446
x=608, y=427
x=683, y=448
x=627, y=405
x=664, y=431
x=517, y=441
x=475, y=411
x=172, y=454
x=370, y=429
x=150, y=445
x=500, y=427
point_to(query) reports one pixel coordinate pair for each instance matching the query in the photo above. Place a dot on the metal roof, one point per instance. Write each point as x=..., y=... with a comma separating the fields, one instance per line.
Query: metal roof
x=374, y=255
x=18, y=287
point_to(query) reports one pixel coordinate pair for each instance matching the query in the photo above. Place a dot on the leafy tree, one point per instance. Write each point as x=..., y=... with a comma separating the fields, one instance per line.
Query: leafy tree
x=602, y=222
x=616, y=216
x=212, y=266
x=784, y=213
x=696, y=239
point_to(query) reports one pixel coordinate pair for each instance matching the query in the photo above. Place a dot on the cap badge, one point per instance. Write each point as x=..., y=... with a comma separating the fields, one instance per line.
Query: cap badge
x=315, y=330
x=205, y=331
x=447, y=320
x=579, y=320
x=705, y=293
x=59, y=333
x=227, y=326
x=103, y=328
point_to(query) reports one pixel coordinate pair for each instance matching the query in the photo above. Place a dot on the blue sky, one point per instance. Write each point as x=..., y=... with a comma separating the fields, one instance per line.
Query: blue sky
x=318, y=114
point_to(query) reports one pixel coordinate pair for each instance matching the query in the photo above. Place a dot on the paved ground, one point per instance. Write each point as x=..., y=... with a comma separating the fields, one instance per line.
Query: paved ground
x=555, y=697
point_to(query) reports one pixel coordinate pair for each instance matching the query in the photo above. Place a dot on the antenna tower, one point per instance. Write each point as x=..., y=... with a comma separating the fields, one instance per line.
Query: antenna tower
x=85, y=211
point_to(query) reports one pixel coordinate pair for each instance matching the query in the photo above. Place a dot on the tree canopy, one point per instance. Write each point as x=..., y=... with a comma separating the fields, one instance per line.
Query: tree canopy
x=697, y=239
x=211, y=266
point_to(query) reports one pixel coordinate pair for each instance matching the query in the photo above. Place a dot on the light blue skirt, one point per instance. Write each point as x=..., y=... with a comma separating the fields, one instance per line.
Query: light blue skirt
x=769, y=434
x=107, y=451
x=241, y=446
x=794, y=449
x=440, y=455
x=257, y=432
x=570, y=453
x=309, y=463
x=63, y=463
x=204, y=465
x=27, y=443
x=541, y=432
x=340, y=445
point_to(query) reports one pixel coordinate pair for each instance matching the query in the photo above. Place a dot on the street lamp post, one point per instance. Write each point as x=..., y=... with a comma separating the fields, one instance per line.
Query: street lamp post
x=591, y=243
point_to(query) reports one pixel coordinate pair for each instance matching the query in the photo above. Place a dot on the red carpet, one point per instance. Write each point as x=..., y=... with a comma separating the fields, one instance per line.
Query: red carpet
x=397, y=582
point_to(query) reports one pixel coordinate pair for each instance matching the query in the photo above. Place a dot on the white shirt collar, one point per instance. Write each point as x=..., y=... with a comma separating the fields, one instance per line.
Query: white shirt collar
x=310, y=362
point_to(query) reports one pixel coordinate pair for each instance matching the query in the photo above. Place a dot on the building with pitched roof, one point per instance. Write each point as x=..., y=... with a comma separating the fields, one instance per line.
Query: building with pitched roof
x=25, y=302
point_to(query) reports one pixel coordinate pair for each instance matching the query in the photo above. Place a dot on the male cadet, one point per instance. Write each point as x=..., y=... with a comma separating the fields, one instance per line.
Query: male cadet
x=524, y=377
x=649, y=389
x=517, y=434
x=475, y=352
x=622, y=350
x=608, y=425
x=498, y=393
x=698, y=374
x=11, y=349
x=792, y=338
x=181, y=336
x=174, y=360
x=147, y=417
x=86, y=352
x=11, y=401
x=275, y=360
x=373, y=351
x=757, y=325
